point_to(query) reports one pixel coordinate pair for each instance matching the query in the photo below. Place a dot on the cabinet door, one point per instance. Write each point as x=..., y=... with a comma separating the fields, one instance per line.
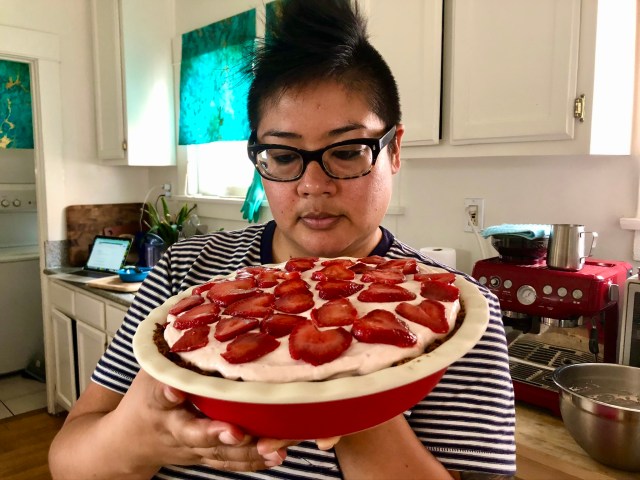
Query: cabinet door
x=134, y=81
x=91, y=345
x=110, y=126
x=410, y=40
x=514, y=70
x=65, y=378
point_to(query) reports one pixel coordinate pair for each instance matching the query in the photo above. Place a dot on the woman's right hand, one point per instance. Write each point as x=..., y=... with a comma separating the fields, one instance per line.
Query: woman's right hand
x=132, y=436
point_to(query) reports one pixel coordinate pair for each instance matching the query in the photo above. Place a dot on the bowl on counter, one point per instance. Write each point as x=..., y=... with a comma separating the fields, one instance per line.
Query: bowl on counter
x=131, y=274
x=600, y=407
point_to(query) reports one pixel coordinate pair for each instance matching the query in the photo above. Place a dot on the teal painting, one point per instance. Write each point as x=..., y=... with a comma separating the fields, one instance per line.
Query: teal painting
x=213, y=92
x=16, y=127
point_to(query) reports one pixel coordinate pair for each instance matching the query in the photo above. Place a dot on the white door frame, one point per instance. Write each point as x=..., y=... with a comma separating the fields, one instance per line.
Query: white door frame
x=42, y=51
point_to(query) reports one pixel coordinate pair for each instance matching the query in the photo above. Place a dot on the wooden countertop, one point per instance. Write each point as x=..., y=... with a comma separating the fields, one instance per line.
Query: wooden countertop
x=546, y=450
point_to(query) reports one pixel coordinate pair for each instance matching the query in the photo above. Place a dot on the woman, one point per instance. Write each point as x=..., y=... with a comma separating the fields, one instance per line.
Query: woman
x=317, y=82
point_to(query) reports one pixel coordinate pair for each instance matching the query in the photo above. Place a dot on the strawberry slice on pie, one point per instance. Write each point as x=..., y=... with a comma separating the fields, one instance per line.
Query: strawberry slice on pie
x=428, y=313
x=295, y=302
x=382, y=326
x=332, y=289
x=314, y=346
x=199, y=315
x=439, y=291
x=228, y=291
x=192, y=339
x=382, y=292
x=391, y=276
x=280, y=324
x=445, y=277
x=186, y=303
x=230, y=327
x=257, y=306
x=334, y=313
x=300, y=264
x=294, y=285
x=333, y=272
x=249, y=346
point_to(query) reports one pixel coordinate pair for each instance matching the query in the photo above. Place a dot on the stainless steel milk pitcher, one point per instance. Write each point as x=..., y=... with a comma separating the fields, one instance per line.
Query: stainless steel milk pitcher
x=566, y=249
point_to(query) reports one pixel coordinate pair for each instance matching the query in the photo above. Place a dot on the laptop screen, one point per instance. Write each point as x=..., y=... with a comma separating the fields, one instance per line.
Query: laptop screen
x=108, y=254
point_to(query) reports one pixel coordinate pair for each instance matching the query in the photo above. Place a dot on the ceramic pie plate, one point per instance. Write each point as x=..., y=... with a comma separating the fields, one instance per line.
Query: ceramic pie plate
x=315, y=409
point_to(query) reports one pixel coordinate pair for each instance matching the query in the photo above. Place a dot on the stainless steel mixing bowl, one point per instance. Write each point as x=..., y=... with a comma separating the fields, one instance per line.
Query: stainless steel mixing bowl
x=600, y=407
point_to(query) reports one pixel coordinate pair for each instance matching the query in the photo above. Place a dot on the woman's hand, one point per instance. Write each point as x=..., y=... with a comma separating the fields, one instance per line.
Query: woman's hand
x=182, y=435
x=107, y=435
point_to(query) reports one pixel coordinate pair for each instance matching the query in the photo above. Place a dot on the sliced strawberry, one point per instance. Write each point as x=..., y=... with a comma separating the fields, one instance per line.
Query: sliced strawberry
x=252, y=271
x=389, y=277
x=381, y=292
x=205, y=287
x=333, y=272
x=316, y=347
x=444, y=277
x=186, y=303
x=257, y=306
x=334, y=313
x=228, y=291
x=267, y=279
x=373, y=260
x=332, y=289
x=294, y=285
x=192, y=339
x=428, y=313
x=295, y=302
x=300, y=264
x=280, y=324
x=407, y=265
x=362, y=267
x=382, y=326
x=230, y=327
x=442, y=292
x=199, y=315
x=345, y=262
x=249, y=346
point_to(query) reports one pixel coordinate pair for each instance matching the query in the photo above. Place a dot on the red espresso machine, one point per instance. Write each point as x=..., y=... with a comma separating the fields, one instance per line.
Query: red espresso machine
x=554, y=317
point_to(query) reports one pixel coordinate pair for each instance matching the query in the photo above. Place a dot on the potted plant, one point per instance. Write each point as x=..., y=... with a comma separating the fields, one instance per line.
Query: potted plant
x=168, y=227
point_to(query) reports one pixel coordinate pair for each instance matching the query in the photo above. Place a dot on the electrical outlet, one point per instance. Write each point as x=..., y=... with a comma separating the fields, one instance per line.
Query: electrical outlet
x=473, y=214
x=167, y=189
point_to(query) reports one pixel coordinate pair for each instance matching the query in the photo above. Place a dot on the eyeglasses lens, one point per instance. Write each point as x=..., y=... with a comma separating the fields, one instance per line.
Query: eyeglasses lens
x=345, y=161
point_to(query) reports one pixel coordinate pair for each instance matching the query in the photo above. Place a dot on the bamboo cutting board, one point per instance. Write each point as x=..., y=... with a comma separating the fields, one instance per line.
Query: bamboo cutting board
x=115, y=284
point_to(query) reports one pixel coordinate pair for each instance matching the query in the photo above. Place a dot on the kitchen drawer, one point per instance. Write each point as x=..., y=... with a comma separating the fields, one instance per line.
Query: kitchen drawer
x=90, y=311
x=62, y=298
x=115, y=316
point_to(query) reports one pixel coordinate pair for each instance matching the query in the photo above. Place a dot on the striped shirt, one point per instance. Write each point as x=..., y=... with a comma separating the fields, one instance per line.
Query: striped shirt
x=467, y=422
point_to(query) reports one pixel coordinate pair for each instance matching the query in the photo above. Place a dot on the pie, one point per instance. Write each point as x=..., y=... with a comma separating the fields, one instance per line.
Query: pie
x=310, y=319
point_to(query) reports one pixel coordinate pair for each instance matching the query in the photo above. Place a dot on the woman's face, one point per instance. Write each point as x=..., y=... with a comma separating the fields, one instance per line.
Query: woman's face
x=318, y=215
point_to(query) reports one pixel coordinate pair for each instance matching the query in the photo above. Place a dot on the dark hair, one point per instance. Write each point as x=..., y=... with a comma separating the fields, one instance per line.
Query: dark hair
x=315, y=40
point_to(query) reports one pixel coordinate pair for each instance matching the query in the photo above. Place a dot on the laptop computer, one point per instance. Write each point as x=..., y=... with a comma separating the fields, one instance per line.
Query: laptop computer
x=107, y=256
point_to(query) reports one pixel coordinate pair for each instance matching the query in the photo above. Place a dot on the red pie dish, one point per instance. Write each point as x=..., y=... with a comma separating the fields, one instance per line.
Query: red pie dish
x=317, y=408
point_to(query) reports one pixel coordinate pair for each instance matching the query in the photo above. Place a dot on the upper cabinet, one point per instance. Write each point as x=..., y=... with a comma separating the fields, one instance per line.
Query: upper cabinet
x=517, y=77
x=134, y=84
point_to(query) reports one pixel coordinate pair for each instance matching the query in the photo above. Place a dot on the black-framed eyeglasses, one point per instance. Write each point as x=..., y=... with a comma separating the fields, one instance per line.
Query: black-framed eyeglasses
x=348, y=159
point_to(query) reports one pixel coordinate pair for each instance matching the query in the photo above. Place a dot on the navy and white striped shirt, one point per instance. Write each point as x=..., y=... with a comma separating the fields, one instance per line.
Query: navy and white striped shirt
x=467, y=422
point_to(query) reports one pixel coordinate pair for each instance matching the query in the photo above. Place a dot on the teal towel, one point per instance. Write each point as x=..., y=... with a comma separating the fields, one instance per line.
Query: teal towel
x=255, y=195
x=528, y=231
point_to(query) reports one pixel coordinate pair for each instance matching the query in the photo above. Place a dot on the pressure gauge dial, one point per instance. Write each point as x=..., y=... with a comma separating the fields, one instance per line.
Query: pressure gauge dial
x=526, y=295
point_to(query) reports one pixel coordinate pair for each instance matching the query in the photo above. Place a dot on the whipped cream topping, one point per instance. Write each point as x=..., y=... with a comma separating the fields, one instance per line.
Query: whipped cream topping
x=278, y=366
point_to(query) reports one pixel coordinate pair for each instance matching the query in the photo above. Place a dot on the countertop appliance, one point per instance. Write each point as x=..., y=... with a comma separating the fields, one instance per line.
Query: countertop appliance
x=554, y=317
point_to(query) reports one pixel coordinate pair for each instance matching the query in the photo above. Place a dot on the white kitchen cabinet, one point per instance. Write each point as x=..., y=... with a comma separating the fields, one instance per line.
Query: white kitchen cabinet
x=63, y=353
x=82, y=324
x=91, y=345
x=511, y=73
x=410, y=40
x=134, y=87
